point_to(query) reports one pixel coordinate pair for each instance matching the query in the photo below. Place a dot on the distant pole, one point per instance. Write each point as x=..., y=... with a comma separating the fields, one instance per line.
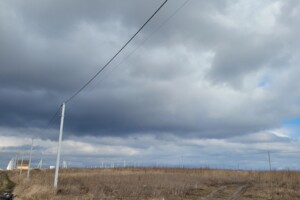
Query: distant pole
x=181, y=161
x=124, y=163
x=270, y=166
x=41, y=162
x=59, y=145
x=21, y=163
x=17, y=160
x=41, y=166
x=28, y=171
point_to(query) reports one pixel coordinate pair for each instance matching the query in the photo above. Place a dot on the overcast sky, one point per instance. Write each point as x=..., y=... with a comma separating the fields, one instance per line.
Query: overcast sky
x=202, y=78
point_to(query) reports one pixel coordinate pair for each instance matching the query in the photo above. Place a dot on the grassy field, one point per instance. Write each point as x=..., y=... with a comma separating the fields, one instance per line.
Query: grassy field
x=158, y=184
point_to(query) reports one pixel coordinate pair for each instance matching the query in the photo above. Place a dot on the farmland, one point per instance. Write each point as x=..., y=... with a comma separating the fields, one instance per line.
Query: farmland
x=158, y=184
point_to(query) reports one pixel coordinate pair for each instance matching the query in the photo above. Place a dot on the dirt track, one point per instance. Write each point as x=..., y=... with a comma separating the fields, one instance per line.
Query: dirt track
x=225, y=192
x=228, y=192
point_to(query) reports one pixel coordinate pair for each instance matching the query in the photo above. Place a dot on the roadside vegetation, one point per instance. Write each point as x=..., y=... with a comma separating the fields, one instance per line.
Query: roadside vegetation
x=6, y=185
x=158, y=184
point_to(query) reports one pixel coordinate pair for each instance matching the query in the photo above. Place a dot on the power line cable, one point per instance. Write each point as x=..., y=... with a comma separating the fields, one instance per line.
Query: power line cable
x=53, y=117
x=149, y=36
x=145, y=40
x=88, y=82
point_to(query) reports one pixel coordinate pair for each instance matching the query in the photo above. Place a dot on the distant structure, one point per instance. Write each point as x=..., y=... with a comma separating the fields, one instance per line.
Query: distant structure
x=64, y=164
x=51, y=167
x=22, y=164
x=39, y=166
x=11, y=164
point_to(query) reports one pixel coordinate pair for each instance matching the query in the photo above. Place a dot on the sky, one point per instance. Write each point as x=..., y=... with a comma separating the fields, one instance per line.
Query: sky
x=204, y=84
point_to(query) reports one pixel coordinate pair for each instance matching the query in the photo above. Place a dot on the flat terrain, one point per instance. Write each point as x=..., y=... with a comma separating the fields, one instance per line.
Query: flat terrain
x=158, y=184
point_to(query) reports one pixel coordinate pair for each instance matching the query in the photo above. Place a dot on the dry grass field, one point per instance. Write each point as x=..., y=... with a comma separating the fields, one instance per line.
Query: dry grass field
x=158, y=184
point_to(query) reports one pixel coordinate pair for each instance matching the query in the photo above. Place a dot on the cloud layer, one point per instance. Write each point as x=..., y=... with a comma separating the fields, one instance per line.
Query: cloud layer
x=213, y=70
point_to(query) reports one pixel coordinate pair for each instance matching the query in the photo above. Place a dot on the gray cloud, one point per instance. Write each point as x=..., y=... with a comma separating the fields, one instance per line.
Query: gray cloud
x=199, y=75
x=163, y=150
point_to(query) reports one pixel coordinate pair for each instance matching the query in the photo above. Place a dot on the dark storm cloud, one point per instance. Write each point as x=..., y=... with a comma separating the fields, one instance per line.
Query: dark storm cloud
x=58, y=19
x=199, y=74
x=38, y=40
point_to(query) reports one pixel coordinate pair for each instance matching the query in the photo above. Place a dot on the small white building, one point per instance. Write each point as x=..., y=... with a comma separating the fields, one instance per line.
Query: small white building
x=11, y=164
x=23, y=164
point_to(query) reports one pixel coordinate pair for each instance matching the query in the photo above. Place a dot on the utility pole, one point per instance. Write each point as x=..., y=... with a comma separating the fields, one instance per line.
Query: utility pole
x=28, y=171
x=21, y=163
x=59, y=144
x=41, y=162
x=270, y=166
x=17, y=160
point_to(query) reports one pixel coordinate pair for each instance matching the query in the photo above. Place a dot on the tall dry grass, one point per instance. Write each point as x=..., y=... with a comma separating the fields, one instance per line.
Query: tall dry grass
x=154, y=184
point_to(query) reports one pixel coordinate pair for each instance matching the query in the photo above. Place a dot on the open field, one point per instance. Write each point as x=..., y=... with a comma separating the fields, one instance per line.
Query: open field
x=158, y=184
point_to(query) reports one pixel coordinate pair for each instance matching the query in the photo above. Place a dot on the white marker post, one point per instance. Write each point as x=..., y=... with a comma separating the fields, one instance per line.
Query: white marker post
x=270, y=166
x=28, y=171
x=21, y=163
x=59, y=144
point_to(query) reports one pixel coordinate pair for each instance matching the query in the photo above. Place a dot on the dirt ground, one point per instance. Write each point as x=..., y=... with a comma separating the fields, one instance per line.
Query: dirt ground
x=158, y=184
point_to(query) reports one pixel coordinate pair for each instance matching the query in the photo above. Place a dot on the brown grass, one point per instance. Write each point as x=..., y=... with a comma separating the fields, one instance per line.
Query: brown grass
x=156, y=184
x=6, y=185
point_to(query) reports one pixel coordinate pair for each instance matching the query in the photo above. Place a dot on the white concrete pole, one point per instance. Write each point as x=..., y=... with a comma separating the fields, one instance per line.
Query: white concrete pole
x=29, y=164
x=41, y=162
x=59, y=145
x=21, y=164
x=41, y=166
x=182, y=162
x=270, y=166
x=17, y=160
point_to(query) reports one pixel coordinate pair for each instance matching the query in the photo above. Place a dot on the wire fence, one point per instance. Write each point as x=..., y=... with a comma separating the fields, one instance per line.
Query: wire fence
x=234, y=161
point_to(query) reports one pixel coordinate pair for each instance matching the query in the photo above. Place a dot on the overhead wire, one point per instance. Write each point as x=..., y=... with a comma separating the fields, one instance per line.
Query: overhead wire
x=146, y=39
x=121, y=49
x=150, y=35
x=53, y=118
